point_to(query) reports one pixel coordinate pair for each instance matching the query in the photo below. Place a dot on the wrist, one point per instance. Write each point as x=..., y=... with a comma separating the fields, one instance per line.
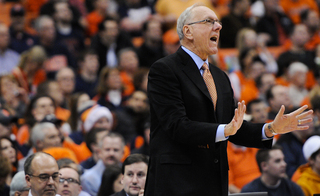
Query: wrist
x=271, y=129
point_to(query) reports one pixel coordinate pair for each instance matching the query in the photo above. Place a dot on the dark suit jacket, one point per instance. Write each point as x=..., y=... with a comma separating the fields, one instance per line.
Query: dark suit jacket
x=184, y=158
x=121, y=193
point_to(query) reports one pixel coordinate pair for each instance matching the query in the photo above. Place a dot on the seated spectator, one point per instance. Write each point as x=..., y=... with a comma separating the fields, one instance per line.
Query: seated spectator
x=92, y=139
x=134, y=171
x=292, y=145
x=275, y=23
x=58, y=54
x=4, y=172
x=297, y=73
x=152, y=48
x=235, y=20
x=131, y=119
x=263, y=83
x=111, y=181
x=110, y=89
x=140, y=79
x=309, y=180
x=18, y=186
x=9, y=149
x=76, y=100
x=141, y=144
x=111, y=153
x=8, y=124
x=8, y=58
x=133, y=14
x=68, y=33
x=52, y=89
x=95, y=17
x=30, y=72
x=12, y=97
x=258, y=109
x=128, y=65
x=311, y=19
x=278, y=95
x=299, y=36
x=109, y=41
x=66, y=80
x=69, y=183
x=20, y=39
x=273, y=176
x=87, y=78
x=242, y=166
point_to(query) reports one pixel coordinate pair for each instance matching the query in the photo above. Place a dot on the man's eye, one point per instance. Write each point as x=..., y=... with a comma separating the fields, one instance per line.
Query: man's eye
x=44, y=177
x=55, y=176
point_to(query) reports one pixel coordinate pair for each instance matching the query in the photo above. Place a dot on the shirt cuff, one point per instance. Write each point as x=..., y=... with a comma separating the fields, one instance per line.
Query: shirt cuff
x=220, y=133
x=264, y=137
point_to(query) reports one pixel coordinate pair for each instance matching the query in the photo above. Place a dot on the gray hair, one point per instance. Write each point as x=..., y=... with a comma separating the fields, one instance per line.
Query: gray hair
x=18, y=183
x=37, y=133
x=184, y=18
x=296, y=67
x=40, y=21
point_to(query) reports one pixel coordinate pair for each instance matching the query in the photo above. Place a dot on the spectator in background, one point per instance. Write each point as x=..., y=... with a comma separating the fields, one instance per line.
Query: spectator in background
x=110, y=89
x=299, y=36
x=128, y=65
x=18, y=186
x=134, y=171
x=109, y=41
x=58, y=54
x=278, y=95
x=87, y=78
x=293, y=8
x=273, y=176
x=171, y=41
x=111, y=181
x=131, y=119
x=69, y=182
x=309, y=180
x=52, y=89
x=258, y=109
x=8, y=58
x=20, y=40
x=66, y=80
x=292, y=144
x=41, y=174
x=4, y=172
x=96, y=16
x=152, y=47
x=30, y=72
x=111, y=152
x=234, y=22
x=9, y=149
x=133, y=14
x=263, y=83
x=140, y=79
x=144, y=147
x=297, y=73
x=73, y=37
x=275, y=23
x=93, y=139
x=7, y=123
x=310, y=18
x=12, y=97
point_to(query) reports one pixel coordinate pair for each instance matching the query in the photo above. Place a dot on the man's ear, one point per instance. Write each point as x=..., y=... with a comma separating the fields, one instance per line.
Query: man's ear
x=188, y=32
x=263, y=165
x=17, y=193
x=27, y=177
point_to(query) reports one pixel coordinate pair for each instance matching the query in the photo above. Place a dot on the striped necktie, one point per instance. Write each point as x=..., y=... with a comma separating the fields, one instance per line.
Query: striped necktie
x=207, y=77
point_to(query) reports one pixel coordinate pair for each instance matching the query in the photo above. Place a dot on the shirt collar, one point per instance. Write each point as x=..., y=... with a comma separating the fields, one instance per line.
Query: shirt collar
x=197, y=60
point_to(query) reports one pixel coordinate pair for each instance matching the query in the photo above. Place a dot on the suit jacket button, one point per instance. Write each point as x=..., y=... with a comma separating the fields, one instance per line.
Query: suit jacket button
x=216, y=160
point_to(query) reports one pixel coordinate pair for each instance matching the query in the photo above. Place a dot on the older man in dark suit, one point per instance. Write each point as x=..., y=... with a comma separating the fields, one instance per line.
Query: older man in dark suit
x=193, y=115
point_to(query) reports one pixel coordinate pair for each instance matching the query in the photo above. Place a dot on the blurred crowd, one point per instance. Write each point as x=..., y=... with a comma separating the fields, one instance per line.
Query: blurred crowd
x=73, y=80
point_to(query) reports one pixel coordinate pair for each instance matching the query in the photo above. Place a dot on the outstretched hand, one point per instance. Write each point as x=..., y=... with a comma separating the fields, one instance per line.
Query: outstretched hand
x=296, y=120
x=236, y=122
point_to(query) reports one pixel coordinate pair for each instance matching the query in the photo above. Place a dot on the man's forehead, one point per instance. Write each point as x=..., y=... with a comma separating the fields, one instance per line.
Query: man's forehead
x=203, y=12
x=68, y=172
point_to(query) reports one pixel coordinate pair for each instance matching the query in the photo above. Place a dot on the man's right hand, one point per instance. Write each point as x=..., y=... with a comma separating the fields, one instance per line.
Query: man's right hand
x=237, y=120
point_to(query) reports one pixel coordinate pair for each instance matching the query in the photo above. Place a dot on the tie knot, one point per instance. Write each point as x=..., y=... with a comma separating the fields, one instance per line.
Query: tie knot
x=204, y=66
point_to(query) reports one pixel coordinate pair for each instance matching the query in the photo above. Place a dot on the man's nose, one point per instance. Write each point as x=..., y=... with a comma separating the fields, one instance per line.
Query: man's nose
x=135, y=179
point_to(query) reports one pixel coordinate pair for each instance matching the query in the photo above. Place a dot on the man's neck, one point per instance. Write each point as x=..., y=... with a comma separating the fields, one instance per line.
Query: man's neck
x=88, y=76
x=270, y=181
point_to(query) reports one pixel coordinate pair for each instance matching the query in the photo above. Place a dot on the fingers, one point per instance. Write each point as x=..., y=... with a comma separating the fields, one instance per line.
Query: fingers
x=299, y=110
x=304, y=121
x=304, y=114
